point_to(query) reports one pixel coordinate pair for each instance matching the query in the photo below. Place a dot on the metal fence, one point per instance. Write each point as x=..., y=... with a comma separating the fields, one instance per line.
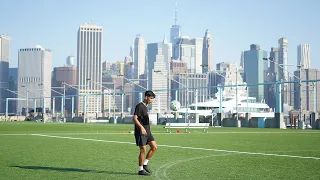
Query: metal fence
x=114, y=103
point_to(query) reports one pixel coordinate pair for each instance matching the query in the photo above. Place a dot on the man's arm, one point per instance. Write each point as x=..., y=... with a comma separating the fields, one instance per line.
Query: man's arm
x=135, y=120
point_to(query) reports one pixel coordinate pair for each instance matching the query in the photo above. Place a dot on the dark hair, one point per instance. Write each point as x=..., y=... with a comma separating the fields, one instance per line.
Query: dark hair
x=149, y=94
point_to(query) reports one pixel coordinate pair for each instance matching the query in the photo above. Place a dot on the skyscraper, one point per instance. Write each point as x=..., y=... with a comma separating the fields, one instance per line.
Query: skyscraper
x=274, y=66
x=89, y=73
x=132, y=52
x=139, y=57
x=67, y=74
x=207, y=52
x=70, y=61
x=307, y=90
x=34, y=77
x=194, y=81
x=242, y=59
x=283, y=58
x=155, y=49
x=4, y=69
x=198, y=43
x=159, y=81
x=303, y=56
x=175, y=29
x=106, y=66
x=185, y=50
x=128, y=67
x=159, y=56
x=283, y=72
x=273, y=75
x=255, y=68
x=118, y=67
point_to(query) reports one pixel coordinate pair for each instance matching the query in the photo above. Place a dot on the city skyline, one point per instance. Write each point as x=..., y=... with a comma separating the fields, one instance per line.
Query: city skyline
x=227, y=44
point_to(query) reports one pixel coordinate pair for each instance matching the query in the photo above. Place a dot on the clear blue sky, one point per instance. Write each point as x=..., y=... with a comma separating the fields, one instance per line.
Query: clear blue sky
x=234, y=24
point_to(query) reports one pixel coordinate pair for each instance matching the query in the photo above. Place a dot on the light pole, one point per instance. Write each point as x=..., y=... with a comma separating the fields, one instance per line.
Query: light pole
x=14, y=92
x=43, y=100
x=114, y=102
x=72, y=98
x=27, y=99
x=300, y=81
x=114, y=97
x=132, y=82
x=62, y=99
x=168, y=87
x=237, y=93
x=300, y=92
x=237, y=103
x=85, y=98
x=158, y=71
x=187, y=94
x=209, y=69
x=7, y=101
x=280, y=101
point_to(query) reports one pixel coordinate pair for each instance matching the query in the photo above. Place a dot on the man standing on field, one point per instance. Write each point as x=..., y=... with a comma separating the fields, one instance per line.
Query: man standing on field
x=143, y=133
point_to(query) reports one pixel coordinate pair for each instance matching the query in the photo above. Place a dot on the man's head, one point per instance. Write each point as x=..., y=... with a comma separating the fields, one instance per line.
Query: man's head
x=149, y=96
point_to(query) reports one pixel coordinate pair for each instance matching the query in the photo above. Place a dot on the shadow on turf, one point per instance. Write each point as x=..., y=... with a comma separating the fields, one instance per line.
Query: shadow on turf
x=70, y=170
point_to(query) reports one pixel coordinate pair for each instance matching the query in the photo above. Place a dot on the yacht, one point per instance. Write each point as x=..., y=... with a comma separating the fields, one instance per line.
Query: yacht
x=229, y=105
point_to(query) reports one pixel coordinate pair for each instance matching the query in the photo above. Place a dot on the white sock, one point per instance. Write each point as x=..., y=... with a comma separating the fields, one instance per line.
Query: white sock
x=140, y=168
x=145, y=162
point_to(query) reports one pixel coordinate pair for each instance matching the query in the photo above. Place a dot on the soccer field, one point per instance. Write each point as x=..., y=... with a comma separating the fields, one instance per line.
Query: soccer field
x=40, y=151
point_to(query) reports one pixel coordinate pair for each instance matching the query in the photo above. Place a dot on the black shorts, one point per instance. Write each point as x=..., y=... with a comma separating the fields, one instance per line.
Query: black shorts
x=142, y=140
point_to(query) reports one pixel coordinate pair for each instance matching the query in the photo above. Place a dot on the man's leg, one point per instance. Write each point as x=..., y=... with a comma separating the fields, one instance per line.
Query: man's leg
x=143, y=150
x=142, y=153
x=153, y=149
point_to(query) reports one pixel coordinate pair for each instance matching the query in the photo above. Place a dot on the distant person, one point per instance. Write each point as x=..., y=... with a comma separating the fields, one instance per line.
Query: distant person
x=164, y=121
x=143, y=133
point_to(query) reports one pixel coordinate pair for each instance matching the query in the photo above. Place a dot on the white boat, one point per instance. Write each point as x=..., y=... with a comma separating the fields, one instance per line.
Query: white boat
x=229, y=105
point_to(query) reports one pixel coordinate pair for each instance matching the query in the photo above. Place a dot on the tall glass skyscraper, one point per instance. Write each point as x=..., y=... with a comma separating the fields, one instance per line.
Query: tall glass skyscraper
x=4, y=68
x=255, y=68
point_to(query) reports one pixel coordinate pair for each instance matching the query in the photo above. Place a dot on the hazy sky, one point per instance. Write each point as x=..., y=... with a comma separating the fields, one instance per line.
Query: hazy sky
x=234, y=25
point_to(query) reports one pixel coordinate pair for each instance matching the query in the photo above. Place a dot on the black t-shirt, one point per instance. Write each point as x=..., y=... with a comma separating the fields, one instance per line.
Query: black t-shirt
x=142, y=112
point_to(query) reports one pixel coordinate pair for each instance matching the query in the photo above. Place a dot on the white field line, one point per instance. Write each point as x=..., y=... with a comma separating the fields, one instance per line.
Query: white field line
x=185, y=147
x=92, y=133
x=14, y=134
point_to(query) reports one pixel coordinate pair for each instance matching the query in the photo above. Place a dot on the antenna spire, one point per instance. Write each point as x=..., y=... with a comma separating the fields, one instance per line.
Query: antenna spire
x=176, y=14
